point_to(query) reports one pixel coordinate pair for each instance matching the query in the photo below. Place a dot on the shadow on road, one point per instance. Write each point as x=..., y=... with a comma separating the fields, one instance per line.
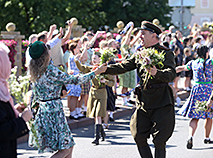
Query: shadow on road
x=202, y=148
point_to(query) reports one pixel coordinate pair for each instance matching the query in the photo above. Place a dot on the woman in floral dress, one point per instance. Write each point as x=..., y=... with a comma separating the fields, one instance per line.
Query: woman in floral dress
x=51, y=129
x=201, y=91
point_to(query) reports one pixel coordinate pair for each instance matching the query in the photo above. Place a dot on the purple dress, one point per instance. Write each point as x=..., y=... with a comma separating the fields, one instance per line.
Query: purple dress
x=201, y=90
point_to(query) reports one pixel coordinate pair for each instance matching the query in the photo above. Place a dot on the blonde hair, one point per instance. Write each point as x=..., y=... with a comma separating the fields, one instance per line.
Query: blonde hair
x=110, y=42
x=103, y=44
x=39, y=65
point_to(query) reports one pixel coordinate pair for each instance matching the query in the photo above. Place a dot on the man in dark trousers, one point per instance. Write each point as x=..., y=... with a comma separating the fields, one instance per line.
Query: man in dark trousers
x=155, y=113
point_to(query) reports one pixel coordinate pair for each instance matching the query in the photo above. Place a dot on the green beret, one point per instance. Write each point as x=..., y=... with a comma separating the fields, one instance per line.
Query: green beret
x=36, y=49
x=146, y=25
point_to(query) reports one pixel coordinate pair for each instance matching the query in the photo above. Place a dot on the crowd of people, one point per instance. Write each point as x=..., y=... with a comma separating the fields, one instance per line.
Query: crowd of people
x=80, y=72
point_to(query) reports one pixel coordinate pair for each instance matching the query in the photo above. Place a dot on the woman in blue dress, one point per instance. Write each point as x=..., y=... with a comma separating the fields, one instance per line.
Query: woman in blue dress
x=201, y=92
x=51, y=130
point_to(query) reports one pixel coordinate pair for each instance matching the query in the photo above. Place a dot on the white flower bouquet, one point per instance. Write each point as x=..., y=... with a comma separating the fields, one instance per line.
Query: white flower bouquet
x=202, y=106
x=18, y=86
x=149, y=57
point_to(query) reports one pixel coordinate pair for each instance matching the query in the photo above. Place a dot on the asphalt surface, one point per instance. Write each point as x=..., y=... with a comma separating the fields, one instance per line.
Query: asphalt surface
x=120, y=144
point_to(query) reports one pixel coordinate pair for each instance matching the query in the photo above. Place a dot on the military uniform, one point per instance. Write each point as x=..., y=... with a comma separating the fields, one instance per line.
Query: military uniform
x=155, y=103
x=97, y=101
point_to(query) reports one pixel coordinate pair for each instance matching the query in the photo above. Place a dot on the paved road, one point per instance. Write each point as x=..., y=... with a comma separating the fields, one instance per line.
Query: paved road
x=120, y=144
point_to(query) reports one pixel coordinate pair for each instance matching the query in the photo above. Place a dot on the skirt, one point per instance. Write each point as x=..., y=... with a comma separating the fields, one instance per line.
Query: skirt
x=85, y=88
x=97, y=102
x=201, y=93
x=50, y=129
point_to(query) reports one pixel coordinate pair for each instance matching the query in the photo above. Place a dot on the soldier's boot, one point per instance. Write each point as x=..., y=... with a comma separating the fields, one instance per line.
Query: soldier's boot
x=145, y=152
x=160, y=153
x=103, y=134
x=97, y=134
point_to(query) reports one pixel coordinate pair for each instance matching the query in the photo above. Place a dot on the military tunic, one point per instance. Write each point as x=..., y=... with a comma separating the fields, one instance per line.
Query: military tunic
x=155, y=102
x=97, y=101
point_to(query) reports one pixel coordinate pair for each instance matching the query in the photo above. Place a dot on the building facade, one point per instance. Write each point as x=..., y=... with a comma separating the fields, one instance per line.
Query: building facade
x=202, y=12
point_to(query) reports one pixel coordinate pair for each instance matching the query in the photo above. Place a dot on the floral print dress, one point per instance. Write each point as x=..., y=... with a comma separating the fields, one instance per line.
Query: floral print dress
x=51, y=129
x=201, y=91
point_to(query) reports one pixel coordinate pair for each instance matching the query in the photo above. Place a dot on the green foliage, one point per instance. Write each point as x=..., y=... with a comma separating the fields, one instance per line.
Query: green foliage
x=136, y=11
x=107, y=55
x=34, y=16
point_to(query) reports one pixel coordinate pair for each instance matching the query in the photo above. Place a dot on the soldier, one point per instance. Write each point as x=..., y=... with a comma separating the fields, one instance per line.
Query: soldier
x=155, y=103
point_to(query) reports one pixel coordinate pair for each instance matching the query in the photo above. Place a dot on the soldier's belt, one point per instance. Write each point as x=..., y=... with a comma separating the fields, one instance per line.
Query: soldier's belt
x=154, y=86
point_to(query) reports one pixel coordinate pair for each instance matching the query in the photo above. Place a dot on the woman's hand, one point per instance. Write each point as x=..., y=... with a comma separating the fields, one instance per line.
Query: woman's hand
x=100, y=69
x=209, y=105
x=70, y=72
x=20, y=107
x=103, y=80
x=27, y=114
x=64, y=92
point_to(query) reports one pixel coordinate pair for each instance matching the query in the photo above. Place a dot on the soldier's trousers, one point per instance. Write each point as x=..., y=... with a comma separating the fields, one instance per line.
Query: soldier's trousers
x=156, y=122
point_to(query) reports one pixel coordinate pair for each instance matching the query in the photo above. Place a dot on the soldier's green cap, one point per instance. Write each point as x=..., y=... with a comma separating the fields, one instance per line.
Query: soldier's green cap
x=36, y=49
x=146, y=25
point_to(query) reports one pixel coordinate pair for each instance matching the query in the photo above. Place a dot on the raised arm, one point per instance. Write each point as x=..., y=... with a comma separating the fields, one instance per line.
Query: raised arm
x=135, y=38
x=84, y=54
x=50, y=33
x=127, y=37
x=91, y=43
x=68, y=33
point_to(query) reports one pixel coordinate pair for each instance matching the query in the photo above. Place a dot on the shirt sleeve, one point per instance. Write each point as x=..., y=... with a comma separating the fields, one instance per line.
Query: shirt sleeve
x=28, y=58
x=53, y=42
x=58, y=76
x=189, y=65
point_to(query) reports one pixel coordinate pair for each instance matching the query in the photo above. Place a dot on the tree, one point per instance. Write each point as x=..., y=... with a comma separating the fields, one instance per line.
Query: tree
x=34, y=16
x=136, y=11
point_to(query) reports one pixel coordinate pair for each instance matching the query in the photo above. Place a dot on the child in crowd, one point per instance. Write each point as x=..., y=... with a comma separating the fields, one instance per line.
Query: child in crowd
x=188, y=74
x=97, y=102
x=174, y=84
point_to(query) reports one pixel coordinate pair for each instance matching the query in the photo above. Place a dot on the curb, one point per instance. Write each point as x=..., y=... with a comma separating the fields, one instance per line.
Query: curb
x=75, y=124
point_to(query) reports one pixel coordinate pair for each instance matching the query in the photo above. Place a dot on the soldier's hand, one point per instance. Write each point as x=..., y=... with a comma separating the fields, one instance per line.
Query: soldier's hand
x=152, y=70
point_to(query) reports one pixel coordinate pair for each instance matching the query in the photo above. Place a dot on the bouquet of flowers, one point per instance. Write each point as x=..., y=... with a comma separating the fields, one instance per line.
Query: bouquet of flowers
x=201, y=106
x=149, y=57
x=18, y=86
x=18, y=89
x=107, y=55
